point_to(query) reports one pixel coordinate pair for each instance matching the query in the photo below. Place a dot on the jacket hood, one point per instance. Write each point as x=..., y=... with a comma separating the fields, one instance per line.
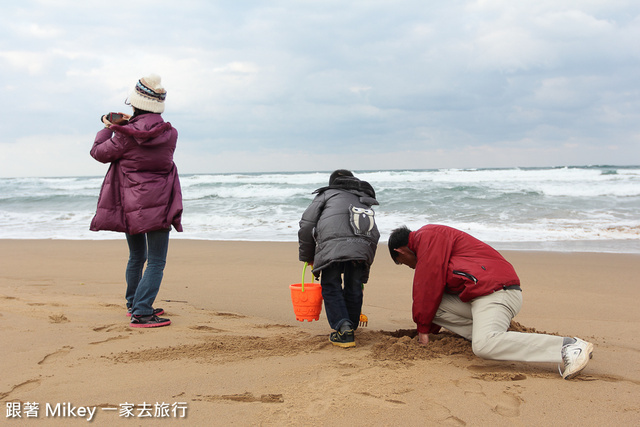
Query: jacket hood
x=352, y=185
x=147, y=129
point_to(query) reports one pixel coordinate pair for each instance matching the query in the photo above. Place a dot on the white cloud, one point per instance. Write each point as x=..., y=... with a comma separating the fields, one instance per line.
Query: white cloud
x=359, y=89
x=33, y=63
x=38, y=31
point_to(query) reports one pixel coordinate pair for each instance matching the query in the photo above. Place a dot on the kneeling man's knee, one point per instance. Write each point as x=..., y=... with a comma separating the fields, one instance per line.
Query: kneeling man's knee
x=484, y=347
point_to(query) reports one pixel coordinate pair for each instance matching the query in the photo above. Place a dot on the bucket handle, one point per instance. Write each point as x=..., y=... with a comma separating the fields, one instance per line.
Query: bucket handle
x=304, y=270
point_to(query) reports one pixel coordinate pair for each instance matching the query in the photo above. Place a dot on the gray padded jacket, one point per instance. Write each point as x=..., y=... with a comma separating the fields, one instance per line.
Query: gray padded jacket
x=339, y=225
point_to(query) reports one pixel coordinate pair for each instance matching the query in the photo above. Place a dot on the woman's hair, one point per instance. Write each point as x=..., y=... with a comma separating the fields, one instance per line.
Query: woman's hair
x=337, y=173
x=138, y=112
x=397, y=239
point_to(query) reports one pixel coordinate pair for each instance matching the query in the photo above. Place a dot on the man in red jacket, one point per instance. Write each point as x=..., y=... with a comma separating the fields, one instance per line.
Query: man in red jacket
x=466, y=286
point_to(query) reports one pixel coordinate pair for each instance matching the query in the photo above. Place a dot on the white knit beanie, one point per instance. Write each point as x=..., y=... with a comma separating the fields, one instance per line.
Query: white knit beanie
x=149, y=94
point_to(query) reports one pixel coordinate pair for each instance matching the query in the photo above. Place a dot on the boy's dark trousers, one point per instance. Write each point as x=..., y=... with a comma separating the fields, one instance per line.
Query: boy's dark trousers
x=341, y=304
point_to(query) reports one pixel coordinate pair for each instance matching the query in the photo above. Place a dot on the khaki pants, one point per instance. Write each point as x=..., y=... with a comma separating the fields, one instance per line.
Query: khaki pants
x=485, y=320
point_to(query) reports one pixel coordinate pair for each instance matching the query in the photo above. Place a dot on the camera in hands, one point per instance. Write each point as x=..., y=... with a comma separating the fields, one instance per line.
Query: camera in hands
x=115, y=118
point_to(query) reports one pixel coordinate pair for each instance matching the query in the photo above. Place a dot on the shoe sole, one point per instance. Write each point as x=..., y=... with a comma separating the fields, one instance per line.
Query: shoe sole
x=150, y=325
x=589, y=351
x=344, y=344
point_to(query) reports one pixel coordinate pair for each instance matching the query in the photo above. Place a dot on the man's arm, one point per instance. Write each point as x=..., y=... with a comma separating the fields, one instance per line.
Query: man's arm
x=433, y=250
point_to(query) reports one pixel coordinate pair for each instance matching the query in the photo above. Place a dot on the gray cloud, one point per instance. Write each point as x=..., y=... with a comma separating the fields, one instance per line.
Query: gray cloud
x=371, y=84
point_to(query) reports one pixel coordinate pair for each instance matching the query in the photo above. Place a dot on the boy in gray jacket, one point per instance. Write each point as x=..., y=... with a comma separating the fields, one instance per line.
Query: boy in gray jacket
x=338, y=236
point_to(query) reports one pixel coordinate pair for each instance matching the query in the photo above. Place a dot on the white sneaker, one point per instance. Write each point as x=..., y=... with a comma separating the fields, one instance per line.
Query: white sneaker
x=575, y=357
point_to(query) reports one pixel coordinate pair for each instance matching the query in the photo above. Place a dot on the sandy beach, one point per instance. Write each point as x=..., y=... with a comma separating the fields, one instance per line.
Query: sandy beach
x=235, y=355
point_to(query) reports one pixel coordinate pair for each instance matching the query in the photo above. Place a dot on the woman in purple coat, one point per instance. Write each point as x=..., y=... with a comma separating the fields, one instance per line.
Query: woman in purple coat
x=141, y=194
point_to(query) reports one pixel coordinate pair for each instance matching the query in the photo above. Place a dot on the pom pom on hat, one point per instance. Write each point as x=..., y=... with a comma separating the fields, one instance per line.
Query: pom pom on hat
x=149, y=95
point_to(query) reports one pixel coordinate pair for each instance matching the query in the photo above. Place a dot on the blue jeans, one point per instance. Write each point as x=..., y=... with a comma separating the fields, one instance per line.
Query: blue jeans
x=142, y=289
x=342, y=304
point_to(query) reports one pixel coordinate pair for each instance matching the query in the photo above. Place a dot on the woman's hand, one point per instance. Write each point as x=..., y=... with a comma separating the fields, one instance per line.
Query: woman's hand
x=125, y=118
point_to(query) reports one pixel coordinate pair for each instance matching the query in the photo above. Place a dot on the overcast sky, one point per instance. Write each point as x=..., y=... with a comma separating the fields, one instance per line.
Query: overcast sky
x=297, y=85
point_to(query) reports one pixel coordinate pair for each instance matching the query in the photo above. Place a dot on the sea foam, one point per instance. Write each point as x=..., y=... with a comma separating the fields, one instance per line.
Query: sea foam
x=526, y=207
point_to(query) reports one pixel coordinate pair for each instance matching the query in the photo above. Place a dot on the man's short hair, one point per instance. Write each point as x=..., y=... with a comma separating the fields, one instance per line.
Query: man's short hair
x=398, y=238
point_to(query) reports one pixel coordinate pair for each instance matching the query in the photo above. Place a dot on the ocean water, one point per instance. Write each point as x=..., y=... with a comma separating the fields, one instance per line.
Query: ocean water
x=595, y=208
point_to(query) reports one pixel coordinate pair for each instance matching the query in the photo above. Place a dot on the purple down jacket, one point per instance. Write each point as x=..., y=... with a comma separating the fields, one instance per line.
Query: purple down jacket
x=141, y=191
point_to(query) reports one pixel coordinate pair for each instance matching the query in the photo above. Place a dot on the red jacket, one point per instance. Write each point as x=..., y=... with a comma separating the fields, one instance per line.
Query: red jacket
x=141, y=191
x=452, y=261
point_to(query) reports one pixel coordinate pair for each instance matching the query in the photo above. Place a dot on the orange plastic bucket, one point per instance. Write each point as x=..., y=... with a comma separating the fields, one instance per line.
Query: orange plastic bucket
x=306, y=299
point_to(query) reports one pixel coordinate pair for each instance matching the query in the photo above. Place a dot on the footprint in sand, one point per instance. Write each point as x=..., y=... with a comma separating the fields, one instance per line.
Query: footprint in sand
x=381, y=400
x=495, y=373
x=500, y=376
x=58, y=318
x=230, y=315
x=119, y=337
x=113, y=328
x=206, y=328
x=111, y=305
x=508, y=402
x=470, y=388
x=442, y=414
x=56, y=355
x=273, y=325
x=102, y=328
x=50, y=304
x=509, y=405
x=245, y=397
x=22, y=387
